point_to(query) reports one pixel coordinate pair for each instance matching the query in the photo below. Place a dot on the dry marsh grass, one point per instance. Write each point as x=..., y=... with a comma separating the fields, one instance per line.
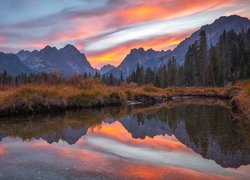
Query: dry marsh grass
x=242, y=100
x=41, y=97
x=81, y=93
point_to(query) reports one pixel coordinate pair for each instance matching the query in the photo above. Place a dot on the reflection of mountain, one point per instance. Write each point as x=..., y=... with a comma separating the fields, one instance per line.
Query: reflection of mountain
x=207, y=130
x=2, y=135
x=68, y=127
x=68, y=134
x=140, y=126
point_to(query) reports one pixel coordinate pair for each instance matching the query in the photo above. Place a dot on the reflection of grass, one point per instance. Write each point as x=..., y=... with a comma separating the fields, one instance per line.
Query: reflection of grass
x=171, y=112
x=28, y=127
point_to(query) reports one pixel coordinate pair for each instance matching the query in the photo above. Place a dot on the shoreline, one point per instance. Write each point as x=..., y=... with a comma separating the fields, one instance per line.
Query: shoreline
x=32, y=99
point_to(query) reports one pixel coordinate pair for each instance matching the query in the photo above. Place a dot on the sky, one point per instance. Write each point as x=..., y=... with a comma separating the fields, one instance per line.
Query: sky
x=106, y=30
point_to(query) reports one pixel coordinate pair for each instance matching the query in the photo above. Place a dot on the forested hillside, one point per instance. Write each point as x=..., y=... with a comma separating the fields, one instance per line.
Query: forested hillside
x=225, y=62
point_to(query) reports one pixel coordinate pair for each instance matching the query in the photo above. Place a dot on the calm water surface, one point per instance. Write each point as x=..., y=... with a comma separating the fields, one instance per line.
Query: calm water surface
x=195, y=139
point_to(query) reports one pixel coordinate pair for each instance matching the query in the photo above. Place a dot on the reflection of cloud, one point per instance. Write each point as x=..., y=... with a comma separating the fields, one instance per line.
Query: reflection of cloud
x=95, y=152
x=167, y=143
x=111, y=152
x=2, y=150
x=148, y=155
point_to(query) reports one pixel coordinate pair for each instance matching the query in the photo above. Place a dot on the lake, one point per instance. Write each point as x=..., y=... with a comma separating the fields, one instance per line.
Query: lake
x=191, y=138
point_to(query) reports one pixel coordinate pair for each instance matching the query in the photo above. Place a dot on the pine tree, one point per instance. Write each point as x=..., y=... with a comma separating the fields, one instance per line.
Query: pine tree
x=172, y=72
x=202, y=58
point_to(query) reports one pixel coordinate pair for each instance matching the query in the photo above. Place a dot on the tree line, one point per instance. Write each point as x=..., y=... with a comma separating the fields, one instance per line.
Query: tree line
x=205, y=65
x=164, y=76
x=38, y=78
x=225, y=62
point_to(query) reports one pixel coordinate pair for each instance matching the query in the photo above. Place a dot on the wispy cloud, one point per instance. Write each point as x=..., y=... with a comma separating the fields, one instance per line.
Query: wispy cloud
x=106, y=27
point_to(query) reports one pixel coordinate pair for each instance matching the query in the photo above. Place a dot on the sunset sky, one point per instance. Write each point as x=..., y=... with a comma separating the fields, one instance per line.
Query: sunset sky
x=106, y=30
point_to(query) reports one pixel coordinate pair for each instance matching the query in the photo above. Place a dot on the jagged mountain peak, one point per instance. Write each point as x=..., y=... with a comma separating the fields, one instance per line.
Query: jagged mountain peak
x=150, y=50
x=69, y=47
x=230, y=18
x=153, y=59
x=106, y=68
x=137, y=50
x=12, y=64
x=213, y=32
x=49, y=49
x=24, y=51
x=68, y=60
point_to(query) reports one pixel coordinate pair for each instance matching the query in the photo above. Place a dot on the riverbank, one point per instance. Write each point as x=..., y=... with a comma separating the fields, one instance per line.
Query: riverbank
x=89, y=93
x=34, y=126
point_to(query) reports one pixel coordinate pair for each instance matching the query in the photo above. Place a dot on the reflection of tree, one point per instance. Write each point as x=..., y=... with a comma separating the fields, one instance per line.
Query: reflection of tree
x=208, y=128
x=28, y=127
x=140, y=118
x=196, y=125
x=172, y=118
x=211, y=130
x=222, y=129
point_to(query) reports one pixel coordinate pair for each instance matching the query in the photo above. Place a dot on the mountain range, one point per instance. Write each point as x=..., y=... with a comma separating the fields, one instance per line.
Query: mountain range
x=71, y=61
x=106, y=68
x=12, y=64
x=153, y=59
x=68, y=60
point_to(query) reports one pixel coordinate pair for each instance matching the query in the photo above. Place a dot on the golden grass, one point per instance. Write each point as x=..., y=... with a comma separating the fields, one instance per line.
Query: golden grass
x=92, y=92
x=85, y=93
x=242, y=100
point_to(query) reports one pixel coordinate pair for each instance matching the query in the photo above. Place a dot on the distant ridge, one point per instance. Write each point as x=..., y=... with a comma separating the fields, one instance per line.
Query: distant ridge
x=213, y=31
x=12, y=64
x=106, y=68
x=154, y=59
x=68, y=60
x=146, y=58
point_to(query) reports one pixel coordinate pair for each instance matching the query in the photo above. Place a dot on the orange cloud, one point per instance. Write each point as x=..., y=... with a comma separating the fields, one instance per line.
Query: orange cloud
x=167, y=9
x=116, y=55
x=141, y=13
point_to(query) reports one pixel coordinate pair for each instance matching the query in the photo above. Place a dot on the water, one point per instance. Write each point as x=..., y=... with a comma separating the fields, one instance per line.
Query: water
x=182, y=139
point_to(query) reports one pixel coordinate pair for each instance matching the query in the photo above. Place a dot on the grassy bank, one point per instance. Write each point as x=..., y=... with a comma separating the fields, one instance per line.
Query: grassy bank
x=52, y=97
x=88, y=93
x=37, y=125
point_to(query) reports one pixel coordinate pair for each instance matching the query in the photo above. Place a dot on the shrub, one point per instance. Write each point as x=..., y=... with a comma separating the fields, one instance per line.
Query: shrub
x=129, y=94
x=150, y=88
x=248, y=92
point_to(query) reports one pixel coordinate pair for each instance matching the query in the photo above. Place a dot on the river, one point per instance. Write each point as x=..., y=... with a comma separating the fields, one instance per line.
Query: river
x=192, y=138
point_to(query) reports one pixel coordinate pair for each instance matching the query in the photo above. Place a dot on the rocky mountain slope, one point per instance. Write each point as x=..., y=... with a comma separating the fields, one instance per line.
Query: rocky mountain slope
x=12, y=64
x=68, y=60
